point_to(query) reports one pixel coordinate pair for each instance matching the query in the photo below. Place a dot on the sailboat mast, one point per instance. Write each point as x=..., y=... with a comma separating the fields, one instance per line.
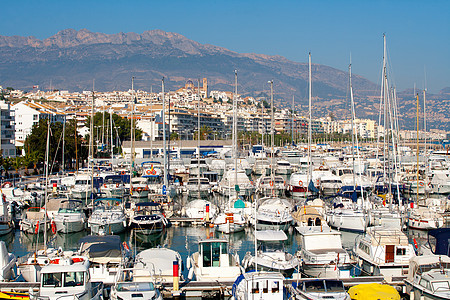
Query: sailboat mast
x=112, y=136
x=198, y=136
x=292, y=122
x=132, y=135
x=166, y=172
x=235, y=130
x=352, y=125
x=417, y=140
x=309, y=175
x=272, y=134
x=63, y=142
x=91, y=146
x=425, y=135
x=47, y=150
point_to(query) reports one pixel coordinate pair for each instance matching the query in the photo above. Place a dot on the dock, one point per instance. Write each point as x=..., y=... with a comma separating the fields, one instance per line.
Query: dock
x=196, y=289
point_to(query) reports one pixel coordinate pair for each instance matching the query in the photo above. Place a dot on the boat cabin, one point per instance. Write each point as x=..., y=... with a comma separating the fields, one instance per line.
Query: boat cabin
x=259, y=285
x=213, y=253
x=67, y=279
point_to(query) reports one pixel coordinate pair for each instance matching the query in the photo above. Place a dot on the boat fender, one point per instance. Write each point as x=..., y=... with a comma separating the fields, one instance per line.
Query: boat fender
x=124, y=223
x=191, y=273
x=188, y=262
x=53, y=226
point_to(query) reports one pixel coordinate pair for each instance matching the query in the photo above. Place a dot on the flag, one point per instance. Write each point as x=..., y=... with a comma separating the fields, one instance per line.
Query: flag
x=35, y=86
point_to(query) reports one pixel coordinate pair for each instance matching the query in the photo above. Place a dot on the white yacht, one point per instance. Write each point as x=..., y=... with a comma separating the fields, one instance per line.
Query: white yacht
x=139, y=188
x=197, y=167
x=159, y=261
x=132, y=283
x=322, y=254
x=197, y=187
x=345, y=215
x=259, y=285
x=318, y=289
x=106, y=255
x=83, y=188
x=69, y=279
x=227, y=186
x=70, y=217
x=271, y=186
x=298, y=184
x=429, y=277
x=273, y=213
x=148, y=218
x=218, y=165
x=113, y=187
x=283, y=167
x=198, y=209
x=271, y=255
x=34, y=221
x=329, y=184
x=108, y=217
x=229, y=222
x=7, y=263
x=424, y=218
x=384, y=251
x=214, y=262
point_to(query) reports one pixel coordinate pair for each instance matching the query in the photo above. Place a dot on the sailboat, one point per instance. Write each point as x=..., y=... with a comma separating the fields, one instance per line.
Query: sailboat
x=273, y=212
x=351, y=216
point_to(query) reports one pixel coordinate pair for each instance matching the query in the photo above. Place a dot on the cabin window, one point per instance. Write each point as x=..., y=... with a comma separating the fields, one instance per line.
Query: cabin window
x=255, y=287
x=73, y=279
x=315, y=286
x=400, y=251
x=364, y=248
x=334, y=286
x=440, y=286
x=275, y=286
x=424, y=283
x=51, y=279
x=265, y=286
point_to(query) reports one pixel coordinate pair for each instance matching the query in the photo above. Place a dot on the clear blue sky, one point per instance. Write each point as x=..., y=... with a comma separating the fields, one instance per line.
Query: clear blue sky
x=418, y=32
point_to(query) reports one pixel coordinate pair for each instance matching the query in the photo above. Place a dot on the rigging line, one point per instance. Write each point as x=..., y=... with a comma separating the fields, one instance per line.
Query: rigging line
x=56, y=152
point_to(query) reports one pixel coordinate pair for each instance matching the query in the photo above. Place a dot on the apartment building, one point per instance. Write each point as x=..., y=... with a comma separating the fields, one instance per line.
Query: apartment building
x=7, y=132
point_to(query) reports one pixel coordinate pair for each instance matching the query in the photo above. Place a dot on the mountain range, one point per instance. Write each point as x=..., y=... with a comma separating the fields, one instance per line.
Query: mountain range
x=72, y=60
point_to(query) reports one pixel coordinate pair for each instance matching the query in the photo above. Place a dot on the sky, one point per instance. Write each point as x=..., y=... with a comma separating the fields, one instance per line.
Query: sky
x=417, y=32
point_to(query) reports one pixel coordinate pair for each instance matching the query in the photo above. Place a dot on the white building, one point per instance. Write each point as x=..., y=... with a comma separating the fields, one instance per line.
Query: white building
x=28, y=113
x=7, y=145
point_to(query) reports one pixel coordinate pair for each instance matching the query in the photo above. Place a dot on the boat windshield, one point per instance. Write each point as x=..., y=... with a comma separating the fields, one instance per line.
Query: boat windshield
x=68, y=279
x=135, y=286
x=440, y=286
x=271, y=246
x=334, y=286
x=314, y=286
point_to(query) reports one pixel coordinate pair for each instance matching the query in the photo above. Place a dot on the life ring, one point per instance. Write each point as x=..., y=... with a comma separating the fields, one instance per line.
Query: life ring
x=7, y=184
x=271, y=183
x=317, y=182
x=148, y=172
x=421, y=183
x=321, y=168
x=105, y=186
x=117, y=185
x=300, y=183
x=53, y=226
x=153, y=172
x=122, y=173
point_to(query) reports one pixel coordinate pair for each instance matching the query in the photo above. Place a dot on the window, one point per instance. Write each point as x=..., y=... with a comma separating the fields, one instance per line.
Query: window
x=51, y=279
x=275, y=286
x=440, y=286
x=35, y=117
x=73, y=279
x=400, y=251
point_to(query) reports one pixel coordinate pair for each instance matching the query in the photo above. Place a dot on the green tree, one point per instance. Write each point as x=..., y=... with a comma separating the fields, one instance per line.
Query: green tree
x=35, y=144
x=205, y=133
x=121, y=127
